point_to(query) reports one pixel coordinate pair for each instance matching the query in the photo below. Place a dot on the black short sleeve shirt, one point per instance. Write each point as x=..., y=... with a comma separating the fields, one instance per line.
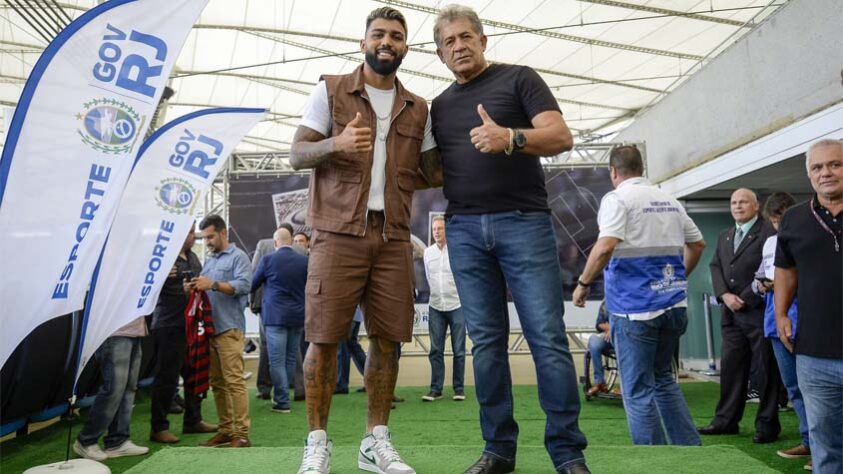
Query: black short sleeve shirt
x=169, y=311
x=806, y=245
x=478, y=182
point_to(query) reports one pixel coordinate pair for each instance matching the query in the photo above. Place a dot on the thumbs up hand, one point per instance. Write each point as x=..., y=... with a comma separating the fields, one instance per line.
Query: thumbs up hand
x=354, y=138
x=489, y=137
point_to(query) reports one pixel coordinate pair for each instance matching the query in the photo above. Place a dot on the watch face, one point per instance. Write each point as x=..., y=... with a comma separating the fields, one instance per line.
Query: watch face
x=520, y=139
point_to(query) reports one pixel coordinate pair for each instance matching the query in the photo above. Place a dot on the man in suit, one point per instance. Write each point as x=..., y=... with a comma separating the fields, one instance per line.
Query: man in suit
x=263, y=248
x=733, y=268
x=283, y=275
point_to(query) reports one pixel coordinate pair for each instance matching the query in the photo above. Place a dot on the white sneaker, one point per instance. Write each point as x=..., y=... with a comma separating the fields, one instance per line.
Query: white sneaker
x=93, y=451
x=317, y=454
x=128, y=448
x=378, y=455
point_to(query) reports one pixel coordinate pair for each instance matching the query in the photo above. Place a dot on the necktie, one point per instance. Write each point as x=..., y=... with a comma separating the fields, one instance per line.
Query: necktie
x=738, y=238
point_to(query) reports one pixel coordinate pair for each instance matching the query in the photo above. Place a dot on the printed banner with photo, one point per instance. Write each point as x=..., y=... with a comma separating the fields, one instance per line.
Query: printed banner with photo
x=258, y=205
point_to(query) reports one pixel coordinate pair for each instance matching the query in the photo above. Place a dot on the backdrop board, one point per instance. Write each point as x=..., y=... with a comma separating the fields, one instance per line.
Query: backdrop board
x=257, y=205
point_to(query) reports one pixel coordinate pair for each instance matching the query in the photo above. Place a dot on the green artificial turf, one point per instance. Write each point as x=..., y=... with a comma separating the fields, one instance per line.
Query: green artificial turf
x=437, y=437
x=454, y=459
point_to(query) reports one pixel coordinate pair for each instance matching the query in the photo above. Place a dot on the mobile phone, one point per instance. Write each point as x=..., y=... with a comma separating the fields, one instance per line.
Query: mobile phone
x=187, y=275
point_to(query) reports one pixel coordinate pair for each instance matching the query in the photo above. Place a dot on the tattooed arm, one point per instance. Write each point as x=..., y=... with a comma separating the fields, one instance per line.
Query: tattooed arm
x=430, y=170
x=311, y=148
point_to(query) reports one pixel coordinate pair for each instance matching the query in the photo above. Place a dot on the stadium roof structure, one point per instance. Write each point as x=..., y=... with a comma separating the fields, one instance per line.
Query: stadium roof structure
x=604, y=60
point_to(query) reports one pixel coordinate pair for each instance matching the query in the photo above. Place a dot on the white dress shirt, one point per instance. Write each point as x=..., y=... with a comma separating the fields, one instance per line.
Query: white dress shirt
x=443, y=290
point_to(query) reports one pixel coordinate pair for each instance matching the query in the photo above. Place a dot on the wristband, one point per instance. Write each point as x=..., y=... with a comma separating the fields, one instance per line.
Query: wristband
x=580, y=283
x=509, y=148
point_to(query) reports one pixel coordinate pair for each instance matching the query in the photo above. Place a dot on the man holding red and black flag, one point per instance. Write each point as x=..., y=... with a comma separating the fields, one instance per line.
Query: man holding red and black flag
x=169, y=334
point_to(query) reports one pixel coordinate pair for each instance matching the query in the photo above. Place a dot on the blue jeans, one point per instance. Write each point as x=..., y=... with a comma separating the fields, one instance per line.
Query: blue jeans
x=438, y=322
x=119, y=359
x=350, y=351
x=597, y=346
x=821, y=383
x=487, y=251
x=787, y=369
x=651, y=396
x=282, y=344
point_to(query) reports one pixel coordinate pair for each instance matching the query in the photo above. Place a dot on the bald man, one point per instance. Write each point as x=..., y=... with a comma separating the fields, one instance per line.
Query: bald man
x=733, y=268
x=283, y=274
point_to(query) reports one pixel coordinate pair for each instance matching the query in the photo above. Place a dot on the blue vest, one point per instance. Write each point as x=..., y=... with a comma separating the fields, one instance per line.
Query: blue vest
x=640, y=284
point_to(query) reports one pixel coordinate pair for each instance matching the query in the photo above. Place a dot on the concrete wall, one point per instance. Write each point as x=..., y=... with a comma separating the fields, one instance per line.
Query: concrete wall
x=787, y=68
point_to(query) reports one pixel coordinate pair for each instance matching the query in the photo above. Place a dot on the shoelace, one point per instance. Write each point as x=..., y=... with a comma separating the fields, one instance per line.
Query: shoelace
x=386, y=451
x=314, y=456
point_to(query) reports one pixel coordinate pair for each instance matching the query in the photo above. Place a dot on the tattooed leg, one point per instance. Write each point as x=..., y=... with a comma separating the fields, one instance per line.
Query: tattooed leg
x=320, y=378
x=381, y=374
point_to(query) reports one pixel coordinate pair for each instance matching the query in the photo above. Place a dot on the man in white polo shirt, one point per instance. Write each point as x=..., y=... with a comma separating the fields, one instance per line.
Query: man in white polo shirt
x=444, y=311
x=650, y=245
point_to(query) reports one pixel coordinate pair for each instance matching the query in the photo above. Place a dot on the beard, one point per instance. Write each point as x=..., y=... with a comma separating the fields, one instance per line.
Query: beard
x=384, y=68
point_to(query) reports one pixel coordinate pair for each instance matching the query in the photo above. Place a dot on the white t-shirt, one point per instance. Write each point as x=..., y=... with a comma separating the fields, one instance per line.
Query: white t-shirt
x=317, y=117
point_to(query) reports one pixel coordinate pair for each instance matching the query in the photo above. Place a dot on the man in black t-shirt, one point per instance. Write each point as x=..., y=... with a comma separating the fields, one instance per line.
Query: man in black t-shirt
x=809, y=265
x=168, y=332
x=491, y=126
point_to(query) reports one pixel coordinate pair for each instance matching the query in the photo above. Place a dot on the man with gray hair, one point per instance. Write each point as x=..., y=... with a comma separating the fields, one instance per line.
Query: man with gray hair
x=491, y=126
x=443, y=311
x=809, y=266
x=738, y=255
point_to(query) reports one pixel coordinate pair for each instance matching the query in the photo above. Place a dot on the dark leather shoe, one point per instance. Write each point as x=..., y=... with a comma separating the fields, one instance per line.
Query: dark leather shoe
x=488, y=464
x=240, y=443
x=200, y=427
x=763, y=438
x=712, y=430
x=574, y=468
x=165, y=437
x=219, y=439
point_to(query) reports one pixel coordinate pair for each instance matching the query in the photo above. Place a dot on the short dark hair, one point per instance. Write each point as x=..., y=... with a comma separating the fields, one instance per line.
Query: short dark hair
x=777, y=203
x=306, y=237
x=213, y=220
x=386, y=13
x=626, y=160
x=288, y=226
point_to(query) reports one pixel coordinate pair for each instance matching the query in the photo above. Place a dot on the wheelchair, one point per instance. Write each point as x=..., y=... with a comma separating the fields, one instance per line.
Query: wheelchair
x=610, y=374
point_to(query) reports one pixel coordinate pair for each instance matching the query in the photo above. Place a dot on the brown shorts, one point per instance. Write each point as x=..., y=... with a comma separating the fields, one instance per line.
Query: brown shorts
x=345, y=271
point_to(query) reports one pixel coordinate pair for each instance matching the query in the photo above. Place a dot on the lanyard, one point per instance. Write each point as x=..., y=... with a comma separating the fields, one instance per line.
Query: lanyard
x=825, y=227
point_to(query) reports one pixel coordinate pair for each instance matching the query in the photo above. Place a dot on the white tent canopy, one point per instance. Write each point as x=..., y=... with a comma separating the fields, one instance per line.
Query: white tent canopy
x=604, y=60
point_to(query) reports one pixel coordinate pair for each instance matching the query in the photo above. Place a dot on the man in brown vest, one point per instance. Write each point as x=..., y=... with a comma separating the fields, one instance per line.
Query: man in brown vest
x=369, y=143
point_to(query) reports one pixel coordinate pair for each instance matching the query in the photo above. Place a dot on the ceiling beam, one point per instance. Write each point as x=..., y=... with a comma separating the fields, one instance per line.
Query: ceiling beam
x=553, y=34
x=246, y=29
x=347, y=39
x=665, y=11
x=419, y=73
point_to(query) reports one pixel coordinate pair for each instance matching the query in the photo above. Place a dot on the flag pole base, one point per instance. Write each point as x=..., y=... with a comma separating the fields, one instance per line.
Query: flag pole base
x=73, y=466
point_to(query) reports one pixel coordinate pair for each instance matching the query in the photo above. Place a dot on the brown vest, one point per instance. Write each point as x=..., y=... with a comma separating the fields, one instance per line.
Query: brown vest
x=339, y=187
